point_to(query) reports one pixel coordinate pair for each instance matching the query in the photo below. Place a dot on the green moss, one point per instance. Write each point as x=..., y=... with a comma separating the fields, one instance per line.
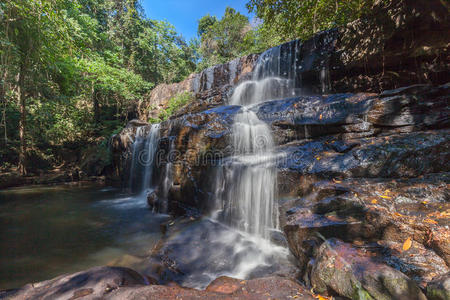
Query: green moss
x=174, y=104
x=154, y=120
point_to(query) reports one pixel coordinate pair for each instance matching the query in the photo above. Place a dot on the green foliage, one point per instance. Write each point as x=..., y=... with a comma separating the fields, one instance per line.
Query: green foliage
x=205, y=24
x=293, y=19
x=174, y=104
x=85, y=65
x=225, y=39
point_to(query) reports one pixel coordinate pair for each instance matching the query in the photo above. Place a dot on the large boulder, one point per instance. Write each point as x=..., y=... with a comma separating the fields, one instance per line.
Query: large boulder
x=354, y=273
x=439, y=288
x=91, y=284
x=195, y=252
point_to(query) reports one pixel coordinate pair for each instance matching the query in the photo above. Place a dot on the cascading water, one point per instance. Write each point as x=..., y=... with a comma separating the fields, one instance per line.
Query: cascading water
x=246, y=187
x=246, y=184
x=143, y=160
x=245, y=192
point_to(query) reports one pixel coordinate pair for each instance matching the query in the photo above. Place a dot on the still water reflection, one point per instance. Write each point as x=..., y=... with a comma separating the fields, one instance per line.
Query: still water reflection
x=48, y=231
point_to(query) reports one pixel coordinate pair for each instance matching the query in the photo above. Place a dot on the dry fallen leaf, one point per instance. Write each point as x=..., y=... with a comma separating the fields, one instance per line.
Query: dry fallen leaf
x=386, y=197
x=321, y=117
x=320, y=297
x=374, y=201
x=430, y=221
x=407, y=244
x=323, y=298
x=337, y=181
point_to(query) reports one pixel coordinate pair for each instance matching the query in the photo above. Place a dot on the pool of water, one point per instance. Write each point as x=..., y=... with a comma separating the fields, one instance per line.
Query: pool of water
x=49, y=231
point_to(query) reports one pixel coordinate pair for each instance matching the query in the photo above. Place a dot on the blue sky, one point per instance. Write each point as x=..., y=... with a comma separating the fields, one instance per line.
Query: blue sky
x=184, y=14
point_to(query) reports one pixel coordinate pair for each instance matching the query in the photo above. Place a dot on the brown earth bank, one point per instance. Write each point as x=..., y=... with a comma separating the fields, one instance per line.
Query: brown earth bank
x=363, y=173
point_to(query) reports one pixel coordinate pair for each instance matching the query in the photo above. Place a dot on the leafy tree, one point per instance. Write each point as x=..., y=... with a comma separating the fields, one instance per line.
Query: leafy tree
x=205, y=24
x=291, y=19
x=225, y=39
x=73, y=71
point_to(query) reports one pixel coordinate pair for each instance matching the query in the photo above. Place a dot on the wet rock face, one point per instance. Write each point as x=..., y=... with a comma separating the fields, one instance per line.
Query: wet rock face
x=399, y=43
x=197, y=251
x=392, y=134
x=336, y=135
x=376, y=214
x=355, y=274
x=371, y=53
x=121, y=150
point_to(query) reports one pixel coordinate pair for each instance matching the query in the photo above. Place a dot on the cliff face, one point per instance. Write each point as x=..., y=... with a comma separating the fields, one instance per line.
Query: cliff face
x=364, y=150
x=209, y=83
x=401, y=44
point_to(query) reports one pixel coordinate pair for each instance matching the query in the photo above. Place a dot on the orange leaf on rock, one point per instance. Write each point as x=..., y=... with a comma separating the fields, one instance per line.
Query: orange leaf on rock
x=407, y=244
x=374, y=201
x=430, y=221
x=323, y=298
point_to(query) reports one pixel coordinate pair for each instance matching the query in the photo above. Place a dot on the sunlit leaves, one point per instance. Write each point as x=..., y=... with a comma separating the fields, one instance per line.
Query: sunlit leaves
x=82, y=53
x=293, y=19
x=223, y=40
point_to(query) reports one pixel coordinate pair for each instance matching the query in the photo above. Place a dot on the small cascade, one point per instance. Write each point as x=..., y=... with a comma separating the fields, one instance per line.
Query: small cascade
x=143, y=160
x=148, y=157
x=246, y=185
x=246, y=182
x=281, y=61
x=233, y=70
x=255, y=91
x=168, y=178
x=136, y=168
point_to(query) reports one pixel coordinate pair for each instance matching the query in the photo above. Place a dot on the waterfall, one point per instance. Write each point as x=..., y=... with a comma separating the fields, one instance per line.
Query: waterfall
x=149, y=157
x=246, y=183
x=143, y=160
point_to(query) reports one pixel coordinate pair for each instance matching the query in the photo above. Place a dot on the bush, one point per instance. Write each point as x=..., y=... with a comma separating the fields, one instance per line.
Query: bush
x=175, y=103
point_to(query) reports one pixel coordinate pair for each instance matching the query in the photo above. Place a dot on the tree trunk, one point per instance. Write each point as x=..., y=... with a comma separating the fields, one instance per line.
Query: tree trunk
x=96, y=106
x=22, y=120
x=3, y=102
